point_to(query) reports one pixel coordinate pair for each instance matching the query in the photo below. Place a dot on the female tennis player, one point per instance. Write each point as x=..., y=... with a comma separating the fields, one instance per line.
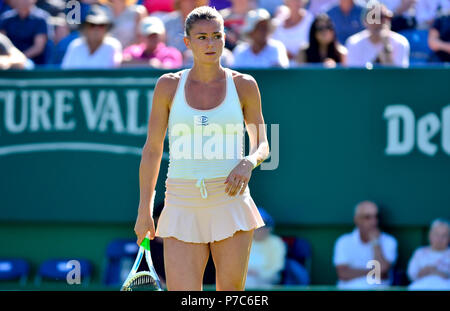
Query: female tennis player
x=208, y=207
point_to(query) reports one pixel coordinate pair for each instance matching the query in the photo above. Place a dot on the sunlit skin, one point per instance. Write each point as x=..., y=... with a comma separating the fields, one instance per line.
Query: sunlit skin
x=439, y=237
x=207, y=41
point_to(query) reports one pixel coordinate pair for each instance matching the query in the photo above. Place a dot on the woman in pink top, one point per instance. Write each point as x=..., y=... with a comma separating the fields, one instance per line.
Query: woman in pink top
x=152, y=51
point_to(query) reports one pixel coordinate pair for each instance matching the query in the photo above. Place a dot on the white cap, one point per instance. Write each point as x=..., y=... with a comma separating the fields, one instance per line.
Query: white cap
x=150, y=25
x=252, y=18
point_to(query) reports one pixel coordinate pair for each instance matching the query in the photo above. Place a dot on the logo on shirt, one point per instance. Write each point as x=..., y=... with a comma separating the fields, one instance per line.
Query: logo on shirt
x=201, y=120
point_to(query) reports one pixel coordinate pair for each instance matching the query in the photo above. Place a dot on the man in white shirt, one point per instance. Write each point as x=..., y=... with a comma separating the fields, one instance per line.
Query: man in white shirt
x=429, y=267
x=95, y=49
x=260, y=51
x=364, y=257
x=377, y=44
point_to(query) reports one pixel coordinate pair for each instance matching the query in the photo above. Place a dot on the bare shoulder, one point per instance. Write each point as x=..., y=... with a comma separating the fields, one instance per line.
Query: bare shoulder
x=246, y=84
x=167, y=85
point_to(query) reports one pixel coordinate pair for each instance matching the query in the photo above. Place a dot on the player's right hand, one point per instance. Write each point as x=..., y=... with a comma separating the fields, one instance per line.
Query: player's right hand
x=144, y=224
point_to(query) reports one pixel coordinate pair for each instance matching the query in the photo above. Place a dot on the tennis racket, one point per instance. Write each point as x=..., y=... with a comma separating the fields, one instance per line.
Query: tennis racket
x=139, y=279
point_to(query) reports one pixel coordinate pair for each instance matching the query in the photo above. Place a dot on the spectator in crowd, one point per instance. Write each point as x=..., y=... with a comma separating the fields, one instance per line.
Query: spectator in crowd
x=10, y=56
x=377, y=44
x=429, y=267
x=95, y=48
x=158, y=6
x=346, y=17
x=267, y=255
x=317, y=7
x=152, y=51
x=234, y=18
x=354, y=251
x=261, y=51
x=439, y=37
x=323, y=46
x=174, y=22
x=126, y=16
x=27, y=30
x=293, y=31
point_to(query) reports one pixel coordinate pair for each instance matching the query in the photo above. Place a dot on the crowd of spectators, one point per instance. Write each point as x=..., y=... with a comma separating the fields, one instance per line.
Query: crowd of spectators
x=366, y=257
x=259, y=33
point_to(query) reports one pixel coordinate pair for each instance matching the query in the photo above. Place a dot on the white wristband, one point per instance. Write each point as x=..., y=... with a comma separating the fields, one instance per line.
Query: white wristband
x=252, y=160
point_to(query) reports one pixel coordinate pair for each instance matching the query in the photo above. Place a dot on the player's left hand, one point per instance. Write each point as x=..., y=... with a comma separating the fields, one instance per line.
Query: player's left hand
x=238, y=178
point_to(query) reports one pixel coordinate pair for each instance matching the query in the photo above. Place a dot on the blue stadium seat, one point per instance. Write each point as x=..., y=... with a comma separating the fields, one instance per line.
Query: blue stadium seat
x=58, y=269
x=120, y=255
x=418, y=41
x=12, y=269
x=298, y=261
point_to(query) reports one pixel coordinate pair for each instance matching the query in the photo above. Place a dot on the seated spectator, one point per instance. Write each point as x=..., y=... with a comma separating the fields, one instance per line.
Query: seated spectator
x=293, y=31
x=27, y=30
x=234, y=18
x=317, y=7
x=126, y=16
x=346, y=17
x=267, y=256
x=353, y=251
x=94, y=49
x=377, y=44
x=439, y=38
x=429, y=267
x=174, y=22
x=152, y=51
x=428, y=10
x=323, y=45
x=261, y=51
x=10, y=56
x=155, y=6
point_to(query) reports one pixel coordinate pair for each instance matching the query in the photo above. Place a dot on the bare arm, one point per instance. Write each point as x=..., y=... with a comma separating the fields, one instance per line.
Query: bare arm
x=346, y=273
x=250, y=99
x=152, y=153
x=38, y=46
x=435, y=43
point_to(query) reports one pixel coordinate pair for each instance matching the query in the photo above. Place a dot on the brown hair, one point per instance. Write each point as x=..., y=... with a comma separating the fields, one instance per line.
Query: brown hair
x=201, y=13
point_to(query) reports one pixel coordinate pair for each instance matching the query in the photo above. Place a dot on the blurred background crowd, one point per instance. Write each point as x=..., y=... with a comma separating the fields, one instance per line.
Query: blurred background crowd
x=84, y=34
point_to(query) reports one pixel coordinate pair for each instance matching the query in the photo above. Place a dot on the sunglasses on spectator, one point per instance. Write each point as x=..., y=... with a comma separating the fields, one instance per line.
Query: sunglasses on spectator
x=97, y=25
x=323, y=28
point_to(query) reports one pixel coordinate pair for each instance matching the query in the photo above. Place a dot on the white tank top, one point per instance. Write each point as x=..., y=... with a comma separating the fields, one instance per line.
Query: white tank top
x=205, y=143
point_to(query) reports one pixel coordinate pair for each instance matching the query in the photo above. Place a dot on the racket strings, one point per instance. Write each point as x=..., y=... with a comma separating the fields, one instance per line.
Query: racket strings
x=143, y=281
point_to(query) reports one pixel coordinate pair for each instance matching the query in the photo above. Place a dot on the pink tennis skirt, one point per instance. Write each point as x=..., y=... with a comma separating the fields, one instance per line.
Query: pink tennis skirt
x=201, y=212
